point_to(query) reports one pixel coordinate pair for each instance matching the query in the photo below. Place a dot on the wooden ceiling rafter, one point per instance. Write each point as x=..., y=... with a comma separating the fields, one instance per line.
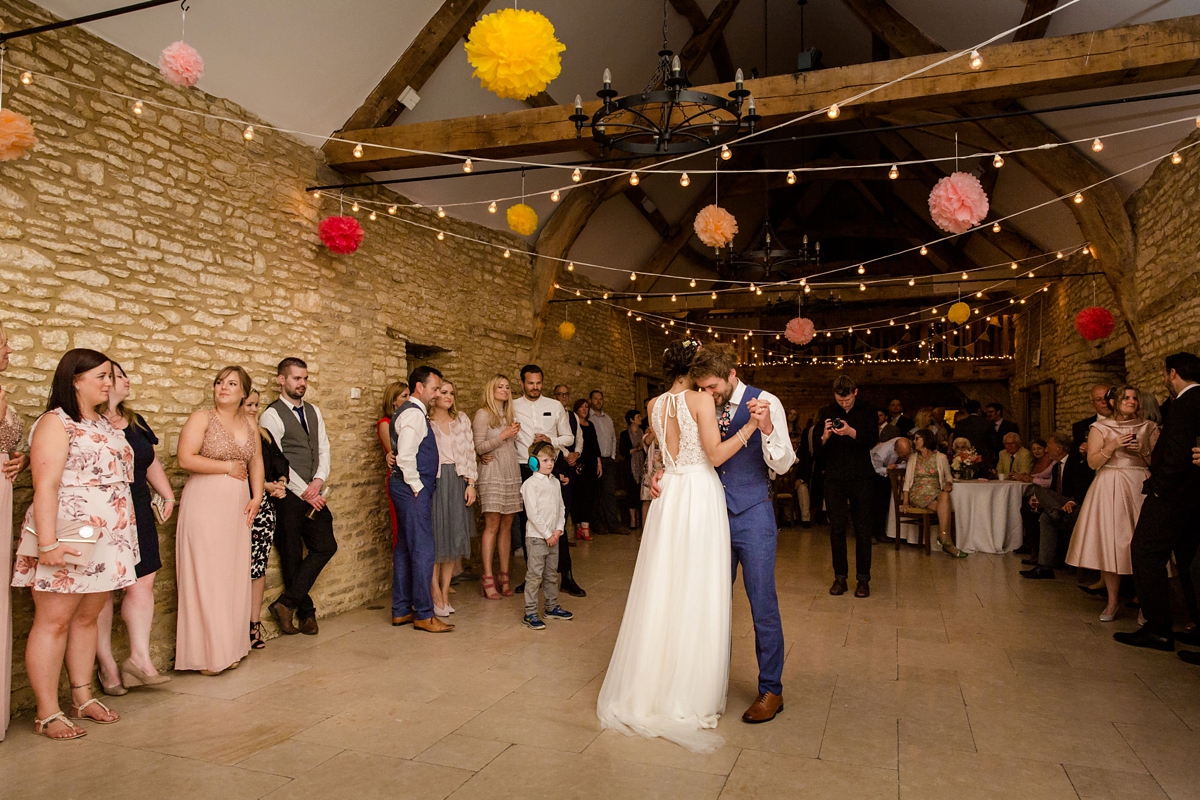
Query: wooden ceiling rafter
x=722, y=61
x=1033, y=10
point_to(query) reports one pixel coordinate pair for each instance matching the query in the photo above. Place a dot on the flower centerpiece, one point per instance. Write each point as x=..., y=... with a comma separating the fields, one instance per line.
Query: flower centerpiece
x=965, y=464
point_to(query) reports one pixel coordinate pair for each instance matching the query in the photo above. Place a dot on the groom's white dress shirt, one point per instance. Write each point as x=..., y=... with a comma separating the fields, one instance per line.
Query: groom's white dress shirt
x=777, y=448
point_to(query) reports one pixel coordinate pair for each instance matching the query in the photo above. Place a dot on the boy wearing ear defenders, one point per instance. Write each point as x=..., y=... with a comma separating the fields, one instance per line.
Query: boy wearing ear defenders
x=545, y=517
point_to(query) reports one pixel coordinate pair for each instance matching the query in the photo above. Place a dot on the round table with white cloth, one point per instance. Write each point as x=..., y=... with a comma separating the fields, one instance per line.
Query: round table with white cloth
x=987, y=516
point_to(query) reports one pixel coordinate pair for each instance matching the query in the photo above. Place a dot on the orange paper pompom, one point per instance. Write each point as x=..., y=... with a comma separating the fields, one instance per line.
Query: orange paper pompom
x=715, y=226
x=16, y=135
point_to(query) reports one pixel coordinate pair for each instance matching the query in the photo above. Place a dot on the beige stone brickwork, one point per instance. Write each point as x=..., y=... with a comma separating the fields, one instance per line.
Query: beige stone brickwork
x=174, y=245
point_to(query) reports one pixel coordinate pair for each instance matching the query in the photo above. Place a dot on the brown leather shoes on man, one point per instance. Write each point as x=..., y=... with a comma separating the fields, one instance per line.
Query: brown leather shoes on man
x=283, y=616
x=863, y=589
x=764, y=708
x=839, y=586
x=405, y=620
x=432, y=625
x=308, y=626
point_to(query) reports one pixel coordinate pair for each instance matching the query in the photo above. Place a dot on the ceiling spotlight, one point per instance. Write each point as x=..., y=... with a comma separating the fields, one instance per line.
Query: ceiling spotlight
x=391, y=210
x=138, y=107
x=976, y=60
x=358, y=151
x=995, y=227
x=791, y=178
x=924, y=250
x=894, y=172
x=492, y=207
x=27, y=78
x=248, y=134
x=1097, y=145
x=998, y=161
x=634, y=180
x=441, y=212
x=1176, y=158
x=576, y=176
x=834, y=112
x=555, y=196
x=726, y=153
x=684, y=180
x=1078, y=198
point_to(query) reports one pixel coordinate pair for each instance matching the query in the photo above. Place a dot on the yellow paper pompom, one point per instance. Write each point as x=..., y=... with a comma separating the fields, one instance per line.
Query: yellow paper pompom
x=566, y=330
x=959, y=313
x=522, y=219
x=514, y=52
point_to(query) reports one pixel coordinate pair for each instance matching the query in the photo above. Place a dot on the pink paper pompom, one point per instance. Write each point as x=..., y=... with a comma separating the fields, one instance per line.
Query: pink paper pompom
x=341, y=235
x=181, y=64
x=958, y=202
x=16, y=135
x=800, y=331
x=715, y=226
x=1094, y=323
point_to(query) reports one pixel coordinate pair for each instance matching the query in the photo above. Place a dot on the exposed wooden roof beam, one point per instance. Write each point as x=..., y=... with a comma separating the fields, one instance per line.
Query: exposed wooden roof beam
x=892, y=28
x=1154, y=51
x=692, y=12
x=1033, y=9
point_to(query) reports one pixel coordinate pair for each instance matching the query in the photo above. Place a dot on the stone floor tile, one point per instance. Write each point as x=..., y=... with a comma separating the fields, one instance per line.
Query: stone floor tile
x=365, y=776
x=761, y=775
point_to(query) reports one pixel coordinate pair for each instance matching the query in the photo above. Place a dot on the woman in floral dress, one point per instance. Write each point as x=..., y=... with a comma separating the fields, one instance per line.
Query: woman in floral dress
x=82, y=468
x=927, y=485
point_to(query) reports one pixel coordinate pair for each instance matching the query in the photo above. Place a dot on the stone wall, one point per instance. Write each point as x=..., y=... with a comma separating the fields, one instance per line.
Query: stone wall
x=173, y=244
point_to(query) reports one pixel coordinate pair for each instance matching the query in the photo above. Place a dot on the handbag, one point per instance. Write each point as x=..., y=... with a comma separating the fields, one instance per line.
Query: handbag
x=75, y=534
x=159, y=504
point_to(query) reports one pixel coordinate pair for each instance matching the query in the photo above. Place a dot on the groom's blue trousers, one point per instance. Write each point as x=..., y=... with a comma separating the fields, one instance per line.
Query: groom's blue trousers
x=753, y=534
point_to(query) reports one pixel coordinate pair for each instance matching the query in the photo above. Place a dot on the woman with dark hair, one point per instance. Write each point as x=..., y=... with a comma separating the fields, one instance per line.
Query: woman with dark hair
x=1043, y=464
x=11, y=464
x=82, y=468
x=262, y=532
x=928, y=483
x=394, y=396
x=633, y=452
x=221, y=448
x=588, y=469
x=137, y=607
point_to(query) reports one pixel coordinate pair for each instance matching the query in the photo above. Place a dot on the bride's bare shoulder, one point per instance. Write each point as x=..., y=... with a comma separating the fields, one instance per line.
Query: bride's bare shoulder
x=699, y=403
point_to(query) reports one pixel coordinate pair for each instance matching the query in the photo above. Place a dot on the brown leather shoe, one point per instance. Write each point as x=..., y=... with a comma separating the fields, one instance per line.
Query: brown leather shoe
x=283, y=616
x=863, y=589
x=839, y=586
x=308, y=626
x=405, y=620
x=764, y=708
x=432, y=625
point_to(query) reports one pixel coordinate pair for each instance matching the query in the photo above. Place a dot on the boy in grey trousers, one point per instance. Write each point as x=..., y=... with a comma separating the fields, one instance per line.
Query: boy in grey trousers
x=545, y=517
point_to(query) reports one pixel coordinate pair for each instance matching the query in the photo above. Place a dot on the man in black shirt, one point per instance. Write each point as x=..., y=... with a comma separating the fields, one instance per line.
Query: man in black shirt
x=847, y=432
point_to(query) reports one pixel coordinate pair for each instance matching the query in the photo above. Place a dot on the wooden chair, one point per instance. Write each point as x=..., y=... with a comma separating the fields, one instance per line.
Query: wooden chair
x=787, y=502
x=923, y=518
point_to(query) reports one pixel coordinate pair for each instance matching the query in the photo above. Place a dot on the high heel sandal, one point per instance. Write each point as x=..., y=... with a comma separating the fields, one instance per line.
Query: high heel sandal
x=256, y=638
x=583, y=534
x=946, y=549
x=505, y=589
x=116, y=690
x=487, y=588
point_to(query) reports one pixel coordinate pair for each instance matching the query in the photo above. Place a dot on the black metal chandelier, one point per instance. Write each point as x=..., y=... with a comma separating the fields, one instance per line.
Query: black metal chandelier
x=671, y=120
x=765, y=257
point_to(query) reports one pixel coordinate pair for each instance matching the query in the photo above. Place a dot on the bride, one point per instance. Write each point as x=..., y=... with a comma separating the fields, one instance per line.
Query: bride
x=669, y=671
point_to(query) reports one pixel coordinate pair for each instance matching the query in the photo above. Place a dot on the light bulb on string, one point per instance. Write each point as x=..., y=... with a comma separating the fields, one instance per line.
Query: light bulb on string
x=468, y=166
x=673, y=299
x=684, y=180
x=894, y=172
x=726, y=153
x=26, y=78
x=791, y=178
x=570, y=266
x=1176, y=158
x=1013, y=265
x=441, y=212
x=634, y=180
x=392, y=210
x=317, y=194
x=861, y=269
x=976, y=60
x=248, y=134
x=1078, y=198
x=358, y=151
x=964, y=276
x=604, y=296
x=995, y=227
x=1059, y=254
x=998, y=161
x=507, y=253
x=555, y=196
x=138, y=107
x=758, y=292
x=632, y=277
x=576, y=176
x=441, y=236
x=692, y=283
x=639, y=298
x=372, y=217
x=912, y=282
x=355, y=206
x=834, y=112
x=862, y=287
x=714, y=295
x=924, y=250
x=492, y=207
x=1097, y=145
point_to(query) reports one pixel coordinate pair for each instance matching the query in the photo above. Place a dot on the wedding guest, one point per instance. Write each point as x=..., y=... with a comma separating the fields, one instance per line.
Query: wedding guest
x=1056, y=507
x=999, y=428
x=886, y=456
x=653, y=464
x=604, y=509
x=1168, y=520
x=588, y=470
x=220, y=447
x=923, y=420
x=847, y=435
x=978, y=431
x=886, y=430
x=1043, y=465
x=1015, y=463
x=897, y=417
x=806, y=490
x=1118, y=450
x=411, y=486
x=453, y=495
x=499, y=481
x=541, y=418
x=564, y=470
x=82, y=467
x=137, y=607
x=11, y=463
x=927, y=484
x=634, y=454
x=303, y=520
x=262, y=532
x=394, y=396
x=542, y=498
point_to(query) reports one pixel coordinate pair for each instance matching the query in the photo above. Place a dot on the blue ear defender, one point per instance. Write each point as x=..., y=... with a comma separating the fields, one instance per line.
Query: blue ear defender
x=533, y=464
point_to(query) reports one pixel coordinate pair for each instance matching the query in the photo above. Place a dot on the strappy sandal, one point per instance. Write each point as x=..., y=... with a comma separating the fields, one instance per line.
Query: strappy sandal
x=505, y=589
x=256, y=637
x=487, y=588
x=77, y=713
x=39, y=727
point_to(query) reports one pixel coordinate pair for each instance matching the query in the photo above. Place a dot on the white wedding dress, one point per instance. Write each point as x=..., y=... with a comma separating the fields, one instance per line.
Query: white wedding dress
x=669, y=672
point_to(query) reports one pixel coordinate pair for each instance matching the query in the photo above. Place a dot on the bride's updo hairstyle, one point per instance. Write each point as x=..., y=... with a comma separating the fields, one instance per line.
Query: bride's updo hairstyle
x=677, y=359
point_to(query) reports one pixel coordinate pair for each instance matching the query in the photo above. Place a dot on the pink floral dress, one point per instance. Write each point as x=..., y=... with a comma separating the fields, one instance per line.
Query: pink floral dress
x=95, y=488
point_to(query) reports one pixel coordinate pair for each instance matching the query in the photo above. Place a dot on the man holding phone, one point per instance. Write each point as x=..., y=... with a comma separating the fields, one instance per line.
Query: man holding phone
x=848, y=431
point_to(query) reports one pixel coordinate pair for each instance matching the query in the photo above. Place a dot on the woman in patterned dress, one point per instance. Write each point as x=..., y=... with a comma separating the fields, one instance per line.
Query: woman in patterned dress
x=11, y=464
x=82, y=467
x=262, y=532
x=927, y=484
x=499, y=481
x=221, y=448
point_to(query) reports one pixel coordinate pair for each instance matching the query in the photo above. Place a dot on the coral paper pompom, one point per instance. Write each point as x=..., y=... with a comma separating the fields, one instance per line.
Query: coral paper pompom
x=522, y=219
x=1094, y=323
x=566, y=330
x=800, y=330
x=16, y=135
x=715, y=226
x=959, y=313
x=341, y=235
x=514, y=53
x=958, y=202
x=181, y=64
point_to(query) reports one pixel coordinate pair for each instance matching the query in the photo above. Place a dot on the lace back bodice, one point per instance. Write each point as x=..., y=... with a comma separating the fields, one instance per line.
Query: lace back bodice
x=691, y=452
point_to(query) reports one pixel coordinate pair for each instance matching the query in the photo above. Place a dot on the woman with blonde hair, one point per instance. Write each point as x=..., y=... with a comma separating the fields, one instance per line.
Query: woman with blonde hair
x=921, y=421
x=221, y=448
x=453, y=495
x=499, y=481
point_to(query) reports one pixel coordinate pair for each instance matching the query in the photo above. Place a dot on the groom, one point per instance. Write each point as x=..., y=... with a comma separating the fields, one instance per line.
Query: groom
x=752, y=530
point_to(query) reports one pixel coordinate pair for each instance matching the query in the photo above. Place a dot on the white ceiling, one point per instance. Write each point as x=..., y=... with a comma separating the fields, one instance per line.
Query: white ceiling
x=306, y=65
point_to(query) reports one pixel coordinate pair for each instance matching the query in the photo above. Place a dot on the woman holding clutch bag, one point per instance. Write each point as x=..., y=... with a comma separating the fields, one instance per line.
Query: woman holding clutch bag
x=11, y=464
x=82, y=467
x=137, y=607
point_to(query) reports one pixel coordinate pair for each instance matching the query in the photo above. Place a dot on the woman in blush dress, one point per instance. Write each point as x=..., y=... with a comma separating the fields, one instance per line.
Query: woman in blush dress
x=499, y=481
x=11, y=464
x=1119, y=448
x=221, y=448
x=82, y=467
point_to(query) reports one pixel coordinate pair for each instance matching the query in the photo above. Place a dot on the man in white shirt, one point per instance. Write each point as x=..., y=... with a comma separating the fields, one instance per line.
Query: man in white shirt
x=303, y=521
x=606, y=437
x=542, y=419
x=885, y=457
